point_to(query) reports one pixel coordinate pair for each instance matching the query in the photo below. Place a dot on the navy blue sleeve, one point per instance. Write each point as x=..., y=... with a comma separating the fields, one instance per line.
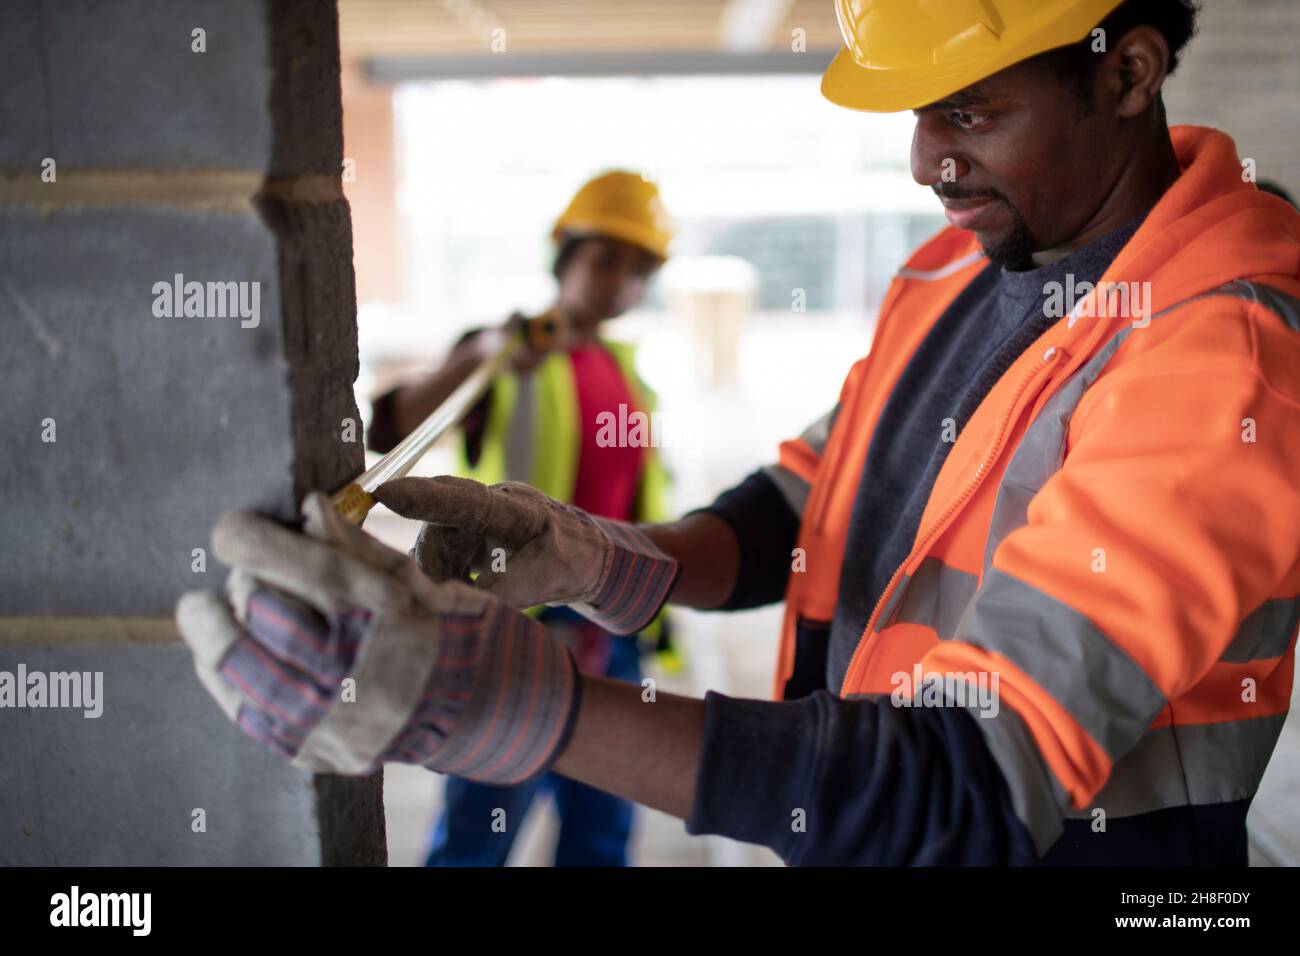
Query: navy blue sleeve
x=766, y=529
x=877, y=785
x=383, y=434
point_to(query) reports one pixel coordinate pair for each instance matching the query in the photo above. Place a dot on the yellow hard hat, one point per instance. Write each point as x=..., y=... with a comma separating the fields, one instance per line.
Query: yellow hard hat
x=621, y=205
x=905, y=54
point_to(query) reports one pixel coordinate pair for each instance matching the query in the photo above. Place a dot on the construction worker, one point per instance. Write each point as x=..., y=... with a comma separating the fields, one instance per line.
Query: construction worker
x=1040, y=562
x=538, y=423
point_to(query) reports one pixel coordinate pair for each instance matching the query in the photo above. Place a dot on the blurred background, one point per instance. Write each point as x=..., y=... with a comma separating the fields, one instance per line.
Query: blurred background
x=467, y=127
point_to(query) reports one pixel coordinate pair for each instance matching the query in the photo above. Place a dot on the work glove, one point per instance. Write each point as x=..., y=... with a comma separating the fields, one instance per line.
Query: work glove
x=339, y=653
x=530, y=549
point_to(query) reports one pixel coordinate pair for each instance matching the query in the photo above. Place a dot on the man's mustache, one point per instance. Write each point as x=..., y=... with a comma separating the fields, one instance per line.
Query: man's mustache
x=956, y=191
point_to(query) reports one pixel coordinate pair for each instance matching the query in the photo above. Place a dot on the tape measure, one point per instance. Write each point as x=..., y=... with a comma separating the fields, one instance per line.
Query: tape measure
x=540, y=334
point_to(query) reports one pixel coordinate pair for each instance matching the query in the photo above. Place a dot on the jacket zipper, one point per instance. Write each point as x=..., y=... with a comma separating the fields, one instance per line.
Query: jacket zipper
x=956, y=505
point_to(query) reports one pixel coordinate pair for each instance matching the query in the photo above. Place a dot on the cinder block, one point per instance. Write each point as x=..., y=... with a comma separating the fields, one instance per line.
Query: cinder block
x=350, y=820
x=306, y=115
x=320, y=342
x=123, y=788
x=160, y=424
x=99, y=85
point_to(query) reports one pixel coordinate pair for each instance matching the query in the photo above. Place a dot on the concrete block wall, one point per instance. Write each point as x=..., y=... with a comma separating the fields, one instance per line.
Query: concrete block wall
x=220, y=165
x=1242, y=75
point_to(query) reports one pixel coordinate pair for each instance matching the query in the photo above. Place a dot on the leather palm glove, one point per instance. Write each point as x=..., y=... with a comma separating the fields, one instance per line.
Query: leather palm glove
x=530, y=549
x=339, y=653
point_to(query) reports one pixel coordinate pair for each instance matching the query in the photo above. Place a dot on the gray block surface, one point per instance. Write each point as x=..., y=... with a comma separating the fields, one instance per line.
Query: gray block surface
x=161, y=423
x=221, y=166
x=98, y=85
x=68, y=796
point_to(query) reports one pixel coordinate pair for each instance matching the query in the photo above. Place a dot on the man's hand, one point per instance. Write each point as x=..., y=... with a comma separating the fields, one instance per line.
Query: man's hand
x=339, y=653
x=530, y=549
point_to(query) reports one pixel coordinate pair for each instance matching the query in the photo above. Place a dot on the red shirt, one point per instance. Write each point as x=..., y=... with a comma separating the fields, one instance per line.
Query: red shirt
x=606, y=479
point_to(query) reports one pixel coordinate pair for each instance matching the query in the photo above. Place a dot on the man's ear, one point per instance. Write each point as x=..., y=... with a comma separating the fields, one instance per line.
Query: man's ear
x=1141, y=63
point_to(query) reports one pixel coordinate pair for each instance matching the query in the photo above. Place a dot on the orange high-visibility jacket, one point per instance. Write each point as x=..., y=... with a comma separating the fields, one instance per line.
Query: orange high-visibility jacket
x=1116, y=532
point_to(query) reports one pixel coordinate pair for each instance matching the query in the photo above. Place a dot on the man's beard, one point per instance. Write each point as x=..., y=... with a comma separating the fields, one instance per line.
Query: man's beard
x=1015, y=250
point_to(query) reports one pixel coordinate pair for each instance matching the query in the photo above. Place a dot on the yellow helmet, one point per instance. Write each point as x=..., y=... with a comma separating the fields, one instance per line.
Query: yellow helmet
x=905, y=54
x=621, y=205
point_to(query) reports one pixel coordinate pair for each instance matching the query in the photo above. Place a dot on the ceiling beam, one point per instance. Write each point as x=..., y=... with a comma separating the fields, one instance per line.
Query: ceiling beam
x=747, y=26
x=395, y=69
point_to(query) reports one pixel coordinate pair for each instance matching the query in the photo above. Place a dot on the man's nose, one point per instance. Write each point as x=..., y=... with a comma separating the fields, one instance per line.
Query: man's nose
x=934, y=158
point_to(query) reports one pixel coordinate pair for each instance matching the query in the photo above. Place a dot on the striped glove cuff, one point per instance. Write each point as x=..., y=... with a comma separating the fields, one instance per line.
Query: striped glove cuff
x=635, y=582
x=500, y=703
x=497, y=707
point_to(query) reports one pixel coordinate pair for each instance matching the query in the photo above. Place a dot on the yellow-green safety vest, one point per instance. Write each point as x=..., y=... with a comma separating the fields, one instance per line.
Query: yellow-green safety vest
x=533, y=434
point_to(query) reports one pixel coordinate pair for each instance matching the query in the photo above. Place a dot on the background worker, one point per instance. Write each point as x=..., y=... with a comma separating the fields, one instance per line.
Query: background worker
x=1109, y=543
x=538, y=424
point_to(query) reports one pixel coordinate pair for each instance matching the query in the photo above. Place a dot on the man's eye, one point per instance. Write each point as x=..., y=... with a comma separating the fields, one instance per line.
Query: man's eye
x=968, y=120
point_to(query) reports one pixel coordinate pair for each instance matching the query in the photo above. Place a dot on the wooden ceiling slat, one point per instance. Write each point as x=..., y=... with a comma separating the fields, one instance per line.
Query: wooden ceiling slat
x=378, y=27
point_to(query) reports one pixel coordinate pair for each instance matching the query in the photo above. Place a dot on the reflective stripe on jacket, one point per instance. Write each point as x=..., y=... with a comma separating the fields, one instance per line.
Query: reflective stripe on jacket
x=1115, y=534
